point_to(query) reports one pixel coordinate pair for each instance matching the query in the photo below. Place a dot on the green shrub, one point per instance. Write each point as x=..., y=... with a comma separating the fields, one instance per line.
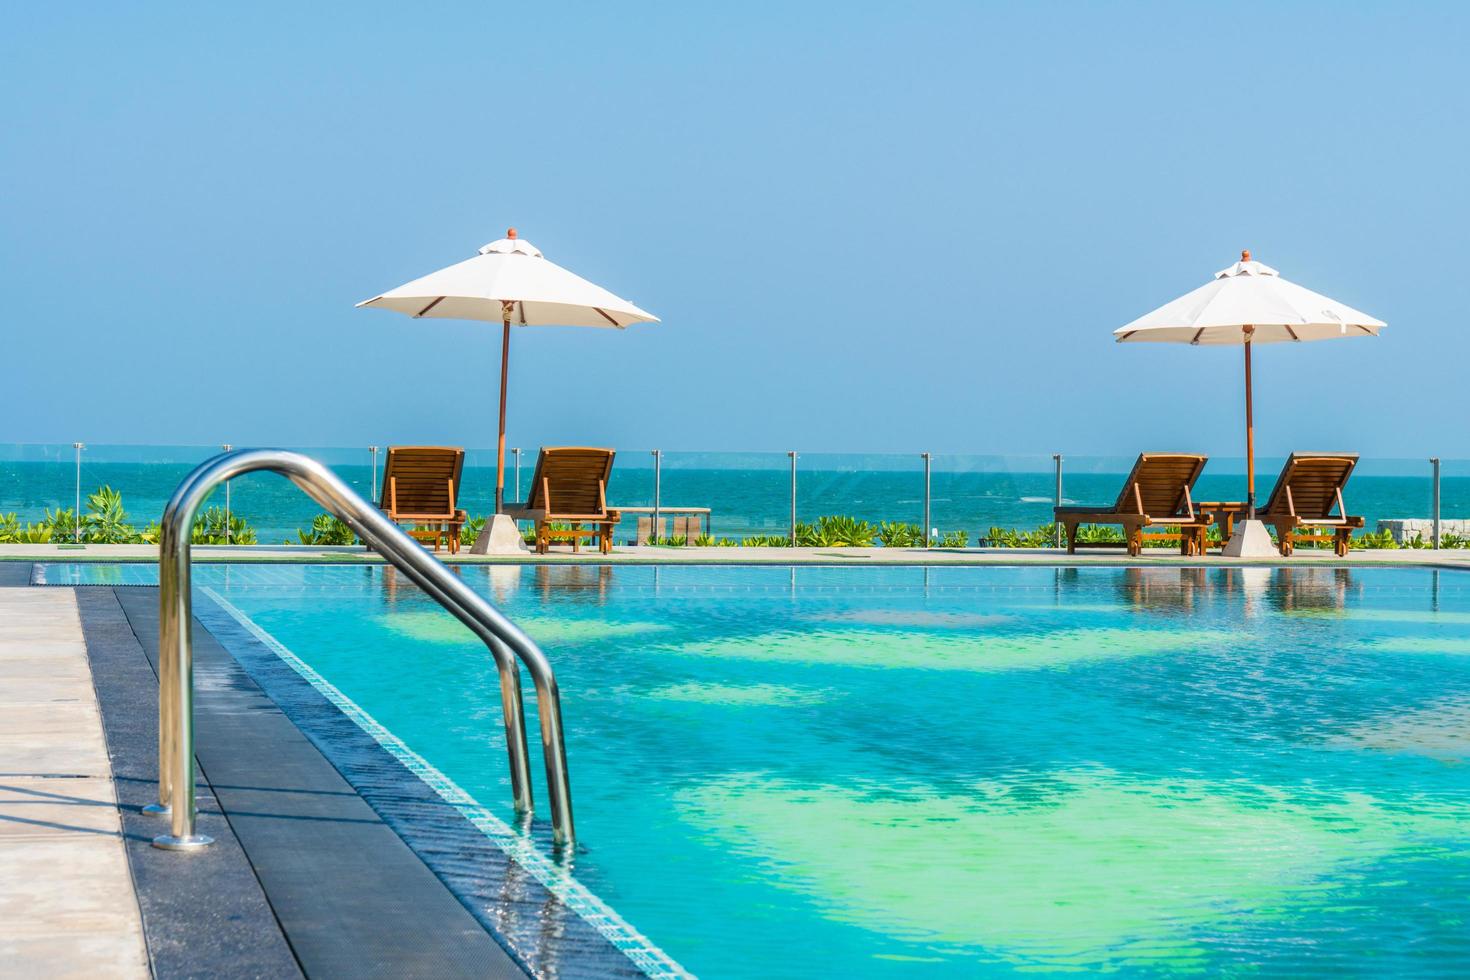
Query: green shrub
x=12, y=531
x=471, y=530
x=209, y=528
x=106, y=522
x=953, y=539
x=704, y=541
x=765, y=541
x=327, y=529
x=1374, y=540
x=34, y=534
x=62, y=524
x=844, y=532
x=899, y=534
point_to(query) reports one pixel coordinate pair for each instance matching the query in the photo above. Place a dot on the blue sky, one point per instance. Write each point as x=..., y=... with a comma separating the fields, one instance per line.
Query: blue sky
x=868, y=227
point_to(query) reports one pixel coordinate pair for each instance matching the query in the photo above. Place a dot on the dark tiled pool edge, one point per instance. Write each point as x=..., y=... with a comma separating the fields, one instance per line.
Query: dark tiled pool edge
x=304, y=876
x=205, y=913
x=546, y=936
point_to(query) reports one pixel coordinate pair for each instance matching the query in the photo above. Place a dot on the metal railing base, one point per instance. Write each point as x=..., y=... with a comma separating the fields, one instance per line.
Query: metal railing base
x=193, y=842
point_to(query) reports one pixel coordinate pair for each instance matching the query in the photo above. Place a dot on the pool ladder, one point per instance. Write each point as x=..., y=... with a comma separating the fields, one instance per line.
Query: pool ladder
x=505, y=641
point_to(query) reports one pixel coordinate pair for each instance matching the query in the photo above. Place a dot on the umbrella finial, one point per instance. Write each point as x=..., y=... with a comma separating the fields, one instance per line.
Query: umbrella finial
x=510, y=233
x=1245, y=253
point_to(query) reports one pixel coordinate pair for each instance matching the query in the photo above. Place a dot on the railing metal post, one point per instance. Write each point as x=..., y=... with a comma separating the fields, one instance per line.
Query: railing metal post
x=1435, y=461
x=1057, y=457
x=76, y=534
x=792, y=454
x=505, y=641
x=517, y=454
x=658, y=467
x=927, y=529
x=374, y=451
x=226, y=448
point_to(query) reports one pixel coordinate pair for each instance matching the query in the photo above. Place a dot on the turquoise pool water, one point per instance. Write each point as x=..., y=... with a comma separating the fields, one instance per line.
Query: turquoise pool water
x=961, y=771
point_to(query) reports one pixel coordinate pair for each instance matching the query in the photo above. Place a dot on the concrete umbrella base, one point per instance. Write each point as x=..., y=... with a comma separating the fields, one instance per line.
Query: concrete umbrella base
x=499, y=536
x=1250, y=540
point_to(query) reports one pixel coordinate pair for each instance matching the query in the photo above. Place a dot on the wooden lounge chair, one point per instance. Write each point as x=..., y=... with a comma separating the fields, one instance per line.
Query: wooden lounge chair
x=1156, y=492
x=421, y=488
x=569, y=486
x=1301, y=503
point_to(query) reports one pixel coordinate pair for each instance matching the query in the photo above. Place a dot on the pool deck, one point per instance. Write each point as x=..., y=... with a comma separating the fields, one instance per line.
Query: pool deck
x=308, y=875
x=1444, y=558
x=67, y=905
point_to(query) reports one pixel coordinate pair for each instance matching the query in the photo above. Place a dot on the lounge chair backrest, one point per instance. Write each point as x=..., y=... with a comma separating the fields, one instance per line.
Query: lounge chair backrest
x=1315, y=480
x=422, y=480
x=1162, y=480
x=577, y=477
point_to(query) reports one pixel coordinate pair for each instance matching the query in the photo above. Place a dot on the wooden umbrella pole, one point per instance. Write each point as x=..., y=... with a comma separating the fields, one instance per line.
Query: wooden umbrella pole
x=1250, y=433
x=500, y=449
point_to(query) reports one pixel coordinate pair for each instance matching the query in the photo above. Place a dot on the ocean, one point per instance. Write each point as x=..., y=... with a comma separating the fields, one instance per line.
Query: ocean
x=749, y=493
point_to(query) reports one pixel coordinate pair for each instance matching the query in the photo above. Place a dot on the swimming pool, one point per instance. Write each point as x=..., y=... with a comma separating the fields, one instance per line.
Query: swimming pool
x=958, y=771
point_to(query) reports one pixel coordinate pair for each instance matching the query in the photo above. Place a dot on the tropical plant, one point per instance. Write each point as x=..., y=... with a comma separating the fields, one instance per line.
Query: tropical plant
x=953, y=539
x=899, y=534
x=725, y=543
x=9, y=528
x=844, y=532
x=34, y=534
x=471, y=530
x=327, y=529
x=62, y=523
x=765, y=541
x=1042, y=537
x=1450, y=539
x=704, y=541
x=1375, y=539
x=210, y=528
x=1102, y=534
x=106, y=522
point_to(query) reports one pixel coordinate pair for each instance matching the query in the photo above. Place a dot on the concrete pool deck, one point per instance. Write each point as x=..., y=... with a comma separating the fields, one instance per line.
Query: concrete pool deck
x=67, y=906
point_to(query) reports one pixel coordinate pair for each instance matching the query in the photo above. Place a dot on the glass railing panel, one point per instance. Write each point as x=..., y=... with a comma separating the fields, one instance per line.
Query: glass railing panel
x=729, y=495
x=746, y=494
x=36, y=478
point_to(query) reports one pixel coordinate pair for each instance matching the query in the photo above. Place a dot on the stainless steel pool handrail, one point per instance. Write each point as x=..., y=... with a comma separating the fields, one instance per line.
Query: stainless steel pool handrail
x=503, y=638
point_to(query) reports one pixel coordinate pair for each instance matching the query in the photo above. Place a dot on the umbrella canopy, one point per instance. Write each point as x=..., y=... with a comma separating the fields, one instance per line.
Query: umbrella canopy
x=1249, y=294
x=1248, y=304
x=511, y=270
x=510, y=282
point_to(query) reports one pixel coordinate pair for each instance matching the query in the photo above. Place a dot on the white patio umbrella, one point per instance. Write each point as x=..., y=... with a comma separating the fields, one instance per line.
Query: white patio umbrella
x=510, y=282
x=1249, y=304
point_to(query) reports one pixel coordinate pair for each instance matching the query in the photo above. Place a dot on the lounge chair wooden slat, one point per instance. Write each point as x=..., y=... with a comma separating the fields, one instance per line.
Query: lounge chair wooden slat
x=569, y=486
x=421, y=487
x=1306, y=494
x=1157, y=491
